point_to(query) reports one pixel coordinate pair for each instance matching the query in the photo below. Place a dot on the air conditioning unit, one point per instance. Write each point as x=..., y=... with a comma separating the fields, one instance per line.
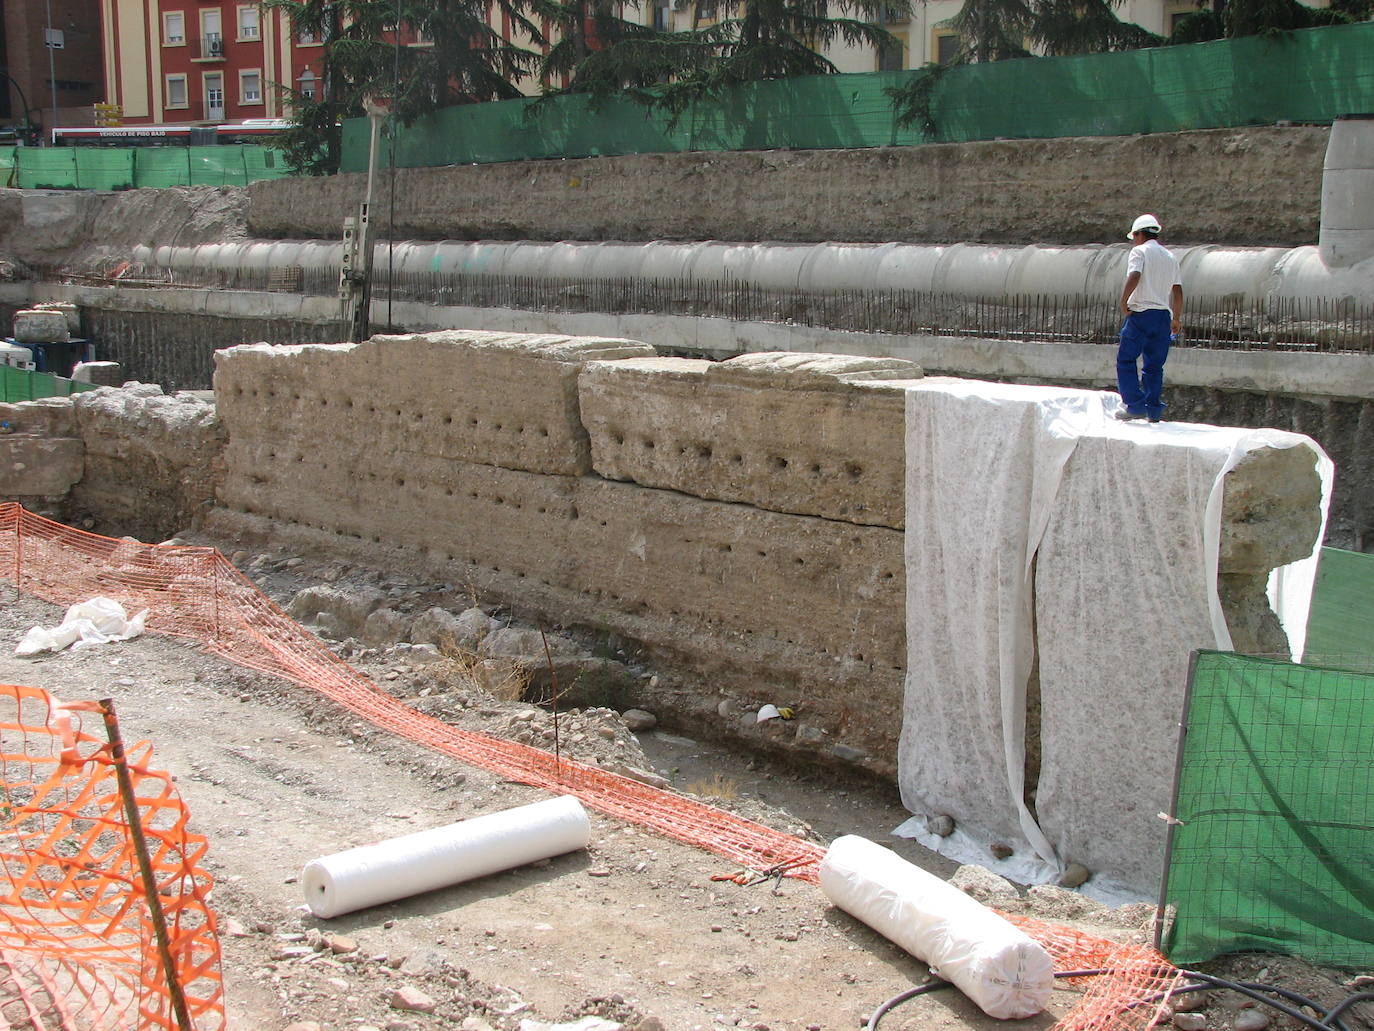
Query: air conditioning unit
x=214, y=46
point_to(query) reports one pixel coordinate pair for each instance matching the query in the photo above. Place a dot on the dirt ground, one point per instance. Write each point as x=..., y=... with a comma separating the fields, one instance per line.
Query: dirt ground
x=633, y=930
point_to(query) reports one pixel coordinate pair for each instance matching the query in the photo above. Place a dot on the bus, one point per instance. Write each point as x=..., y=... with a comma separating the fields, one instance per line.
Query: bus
x=182, y=134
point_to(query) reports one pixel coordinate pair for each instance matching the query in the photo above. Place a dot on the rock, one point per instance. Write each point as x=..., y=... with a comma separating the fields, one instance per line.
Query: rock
x=350, y=606
x=809, y=736
x=849, y=753
x=643, y=776
x=648, y=1024
x=234, y=929
x=1188, y=1002
x=585, y=1024
x=340, y=945
x=438, y=627
x=943, y=825
x=1050, y=900
x=411, y=999
x=1074, y=875
x=475, y=1024
x=980, y=883
x=422, y=963
x=1190, y=1021
x=1250, y=1020
x=385, y=626
x=512, y=642
x=638, y=720
x=725, y=709
x=1001, y=851
x=302, y=1025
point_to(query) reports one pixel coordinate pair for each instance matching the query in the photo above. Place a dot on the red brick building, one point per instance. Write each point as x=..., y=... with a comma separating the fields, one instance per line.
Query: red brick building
x=203, y=61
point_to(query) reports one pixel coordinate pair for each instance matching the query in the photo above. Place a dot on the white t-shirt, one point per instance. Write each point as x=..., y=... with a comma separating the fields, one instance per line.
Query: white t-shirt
x=1158, y=270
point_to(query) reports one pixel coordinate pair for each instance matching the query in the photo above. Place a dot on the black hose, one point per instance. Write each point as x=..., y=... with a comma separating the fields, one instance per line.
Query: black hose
x=1328, y=1020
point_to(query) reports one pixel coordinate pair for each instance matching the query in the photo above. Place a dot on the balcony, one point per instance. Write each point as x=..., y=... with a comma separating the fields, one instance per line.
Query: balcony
x=209, y=48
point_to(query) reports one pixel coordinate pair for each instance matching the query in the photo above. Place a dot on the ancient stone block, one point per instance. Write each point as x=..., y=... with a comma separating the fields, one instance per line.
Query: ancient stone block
x=810, y=434
x=32, y=326
x=48, y=417
x=32, y=466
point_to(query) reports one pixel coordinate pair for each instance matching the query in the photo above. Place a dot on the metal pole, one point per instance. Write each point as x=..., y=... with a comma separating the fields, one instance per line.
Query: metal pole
x=1171, y=817
x=145, y=868
x=52, y=75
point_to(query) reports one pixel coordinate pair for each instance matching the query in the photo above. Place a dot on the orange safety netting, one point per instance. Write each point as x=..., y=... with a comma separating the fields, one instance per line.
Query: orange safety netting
x=197, y=593
x=78, y=948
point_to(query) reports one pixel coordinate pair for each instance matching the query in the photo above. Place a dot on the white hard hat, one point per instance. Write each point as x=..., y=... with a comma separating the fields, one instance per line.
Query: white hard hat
x=1144, y=222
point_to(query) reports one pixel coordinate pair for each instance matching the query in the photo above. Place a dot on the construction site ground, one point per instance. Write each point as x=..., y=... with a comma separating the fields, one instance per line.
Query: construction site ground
x=633, y=930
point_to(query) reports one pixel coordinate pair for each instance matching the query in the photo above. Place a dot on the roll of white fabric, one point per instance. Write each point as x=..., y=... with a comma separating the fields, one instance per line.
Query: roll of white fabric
x=1005, y=972
x=436, y=858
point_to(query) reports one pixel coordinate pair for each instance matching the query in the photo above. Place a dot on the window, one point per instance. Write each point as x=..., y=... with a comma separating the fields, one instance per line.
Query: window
x=892, y=56
x=662, y=16
x=306, y=84
x=946, y=47
x=248, y=23
x=174, y=29
x=176, y=91
x=214, y=96
x=250, y=87
x=306, y=38
x=210, y=32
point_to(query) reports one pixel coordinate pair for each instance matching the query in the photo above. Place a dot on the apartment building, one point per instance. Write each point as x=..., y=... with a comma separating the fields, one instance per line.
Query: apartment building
x=50, y=60
x=208, y=61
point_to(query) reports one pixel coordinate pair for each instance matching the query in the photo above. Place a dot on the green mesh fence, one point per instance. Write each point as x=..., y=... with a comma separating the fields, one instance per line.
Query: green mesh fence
x=122, y=168
x=1312, y=75
x=104, y=168
x=8, y=173
x=1276, y=810
x=162, y=166
x=47, y=168
x=24, y=385
x=1340, y=627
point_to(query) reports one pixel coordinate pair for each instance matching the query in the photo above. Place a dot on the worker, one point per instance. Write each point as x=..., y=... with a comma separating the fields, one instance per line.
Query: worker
x=1152, y=302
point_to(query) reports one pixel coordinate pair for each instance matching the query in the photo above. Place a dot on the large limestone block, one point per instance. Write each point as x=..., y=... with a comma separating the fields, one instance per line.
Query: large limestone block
x=504, y=399
x=47, y=417
x=32, y=326
x=807, y=610
x=33, y=466
x=69, y=311
x=808, y=434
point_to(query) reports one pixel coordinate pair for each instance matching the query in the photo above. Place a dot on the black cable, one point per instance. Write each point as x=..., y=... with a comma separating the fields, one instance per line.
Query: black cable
x=1328, y=1020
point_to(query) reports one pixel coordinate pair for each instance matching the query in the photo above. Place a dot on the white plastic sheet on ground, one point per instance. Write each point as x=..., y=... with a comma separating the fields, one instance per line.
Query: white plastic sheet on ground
x=1006, y=973
x=1119, y=525
x=98, y=621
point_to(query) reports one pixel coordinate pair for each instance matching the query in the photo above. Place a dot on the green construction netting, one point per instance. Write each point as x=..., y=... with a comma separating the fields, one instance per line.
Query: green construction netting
x=1276, y=810
x=104, y=168
x=24, y=385
x=161, y=166
x=1340, y=627
x=121, y=168
x=1312, y=75
x=47, y=168
x=7, y=166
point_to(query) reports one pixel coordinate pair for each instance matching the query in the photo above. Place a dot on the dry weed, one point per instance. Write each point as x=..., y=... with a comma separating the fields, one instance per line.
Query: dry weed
x=716, y=786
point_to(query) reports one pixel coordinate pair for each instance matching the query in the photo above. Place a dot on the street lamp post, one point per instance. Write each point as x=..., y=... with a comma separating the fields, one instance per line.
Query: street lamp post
x=28, y=122
x=52, y=73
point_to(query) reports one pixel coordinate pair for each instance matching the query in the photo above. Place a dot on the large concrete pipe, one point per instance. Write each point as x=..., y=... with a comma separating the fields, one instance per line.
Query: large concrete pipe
x=1238, y=275
x=1347, y=219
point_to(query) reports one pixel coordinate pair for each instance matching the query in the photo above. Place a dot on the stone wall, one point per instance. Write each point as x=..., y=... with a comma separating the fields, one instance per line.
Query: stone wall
x=129, y=460
x=1228, y=186
x=706, y=515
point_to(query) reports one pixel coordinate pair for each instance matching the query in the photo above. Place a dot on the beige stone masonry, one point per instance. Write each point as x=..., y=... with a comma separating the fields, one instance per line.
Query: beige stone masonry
x=38, y=467
x=808, y=434
x=490, y=398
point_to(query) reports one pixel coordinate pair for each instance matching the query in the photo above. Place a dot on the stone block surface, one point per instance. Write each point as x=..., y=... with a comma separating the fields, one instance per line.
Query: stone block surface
x=33, y=326
x=47, y=417
x=33, y=466
x=808, y=434
x=501, y=399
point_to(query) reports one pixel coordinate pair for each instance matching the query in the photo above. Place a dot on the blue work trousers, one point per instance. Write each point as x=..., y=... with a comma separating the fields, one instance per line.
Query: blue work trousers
x=1144, y=340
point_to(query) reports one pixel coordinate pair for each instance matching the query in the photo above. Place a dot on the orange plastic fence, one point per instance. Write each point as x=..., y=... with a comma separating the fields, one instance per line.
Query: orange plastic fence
x=77, y=945
x=197, y=593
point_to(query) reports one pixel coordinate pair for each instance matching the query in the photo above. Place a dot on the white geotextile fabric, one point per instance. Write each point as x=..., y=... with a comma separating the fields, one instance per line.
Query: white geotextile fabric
x=98, y=621
x=399, y=867
x=1004, y=971
x=1122, y=522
